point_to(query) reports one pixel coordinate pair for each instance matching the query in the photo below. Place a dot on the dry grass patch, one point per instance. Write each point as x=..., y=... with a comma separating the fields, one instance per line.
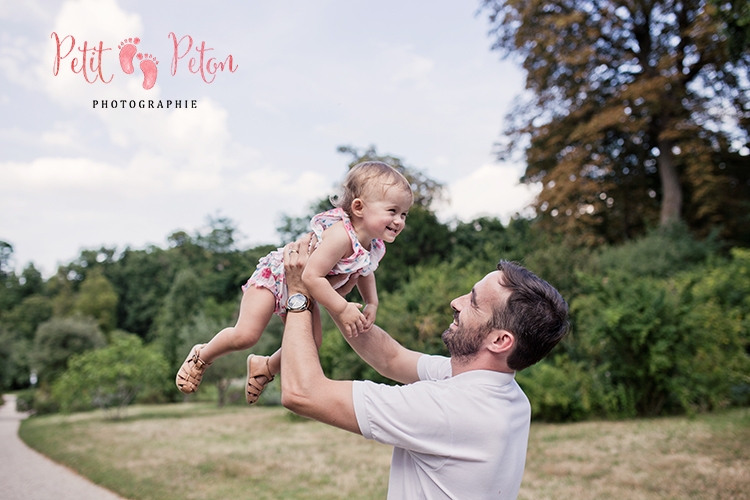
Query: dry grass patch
x=196, y=451
x=706, y=457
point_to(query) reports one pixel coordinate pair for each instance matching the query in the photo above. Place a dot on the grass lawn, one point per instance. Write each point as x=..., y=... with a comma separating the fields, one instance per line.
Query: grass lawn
x=196, y=451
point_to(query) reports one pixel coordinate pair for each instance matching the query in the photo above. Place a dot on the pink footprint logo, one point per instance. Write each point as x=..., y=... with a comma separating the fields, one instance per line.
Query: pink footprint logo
x=127, y=51
x=148, y=66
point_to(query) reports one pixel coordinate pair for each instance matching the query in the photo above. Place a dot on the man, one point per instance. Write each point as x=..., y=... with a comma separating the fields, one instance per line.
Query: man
x=459, y=426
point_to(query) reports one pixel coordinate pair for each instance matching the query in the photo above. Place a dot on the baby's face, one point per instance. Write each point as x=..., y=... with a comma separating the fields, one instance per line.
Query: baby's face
x=384, y=213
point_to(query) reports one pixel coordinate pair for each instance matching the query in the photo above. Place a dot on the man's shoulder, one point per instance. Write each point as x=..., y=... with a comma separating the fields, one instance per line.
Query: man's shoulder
x=434, y=367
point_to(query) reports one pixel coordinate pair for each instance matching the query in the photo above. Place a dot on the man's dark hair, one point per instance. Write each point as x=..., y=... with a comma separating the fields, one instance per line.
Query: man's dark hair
x=535, y=313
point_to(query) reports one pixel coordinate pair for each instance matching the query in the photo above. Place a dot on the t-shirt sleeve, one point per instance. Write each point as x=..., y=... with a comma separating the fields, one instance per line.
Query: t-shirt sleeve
x=434, y=367
x=410, y=416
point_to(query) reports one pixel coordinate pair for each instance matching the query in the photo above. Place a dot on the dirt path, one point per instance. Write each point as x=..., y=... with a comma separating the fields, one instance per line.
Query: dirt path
x=28, y=475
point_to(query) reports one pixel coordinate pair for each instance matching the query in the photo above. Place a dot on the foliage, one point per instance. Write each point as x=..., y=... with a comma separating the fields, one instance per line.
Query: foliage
x=110, y=378
x=17, y=329
x=142, y=279
x=14, y=370
x=624, y=123
x=660, y=322
x=735, y=15
x=423, y=242
x=180, y=305
x=559, y=390
x=660, y=253
x=57, y=340
x=97, y=299
x=36, y=401
x=668, y=344
x=418, y=313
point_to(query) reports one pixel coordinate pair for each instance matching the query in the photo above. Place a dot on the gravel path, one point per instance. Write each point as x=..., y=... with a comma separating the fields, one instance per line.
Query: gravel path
x=28, y=475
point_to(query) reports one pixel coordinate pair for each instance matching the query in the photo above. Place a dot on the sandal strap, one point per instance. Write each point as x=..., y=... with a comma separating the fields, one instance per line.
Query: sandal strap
x=256, y=385
x=190, y=374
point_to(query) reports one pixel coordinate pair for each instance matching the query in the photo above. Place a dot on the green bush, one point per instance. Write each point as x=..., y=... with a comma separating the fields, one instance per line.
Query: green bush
x=110, y=378
x=36, y=401
x=59, y=338
x=674, y=344
x=558, y=390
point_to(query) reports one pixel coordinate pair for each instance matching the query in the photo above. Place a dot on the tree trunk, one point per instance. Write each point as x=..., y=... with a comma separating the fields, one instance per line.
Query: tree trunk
x=671, y=202
x=222, y=385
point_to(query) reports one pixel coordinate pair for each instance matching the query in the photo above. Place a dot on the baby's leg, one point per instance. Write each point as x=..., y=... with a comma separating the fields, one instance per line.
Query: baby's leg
x=274, y=363
x=256, y=309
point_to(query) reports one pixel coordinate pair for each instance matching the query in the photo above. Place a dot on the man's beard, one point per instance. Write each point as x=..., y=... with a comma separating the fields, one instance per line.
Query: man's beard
x=463, y=344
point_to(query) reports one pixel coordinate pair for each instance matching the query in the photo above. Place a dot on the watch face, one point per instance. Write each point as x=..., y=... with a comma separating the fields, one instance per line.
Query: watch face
x=297, y=301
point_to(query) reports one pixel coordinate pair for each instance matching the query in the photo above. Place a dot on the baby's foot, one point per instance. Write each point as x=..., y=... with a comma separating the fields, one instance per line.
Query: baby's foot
x=190, y=374
x=127, y=51
x=148, y=66
x=258, y=377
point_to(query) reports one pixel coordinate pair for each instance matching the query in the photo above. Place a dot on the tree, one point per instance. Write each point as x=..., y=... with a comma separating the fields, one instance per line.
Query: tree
x=98, y=299
x=631, y=108
x=110, y=378
x=142, y=279
x=58, y=339
x=735, y=14
x=180, y=306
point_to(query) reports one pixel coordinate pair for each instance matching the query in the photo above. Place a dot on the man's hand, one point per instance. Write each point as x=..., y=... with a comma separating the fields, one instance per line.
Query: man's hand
x=370, y=311
x=296, y=254
x=351, y=281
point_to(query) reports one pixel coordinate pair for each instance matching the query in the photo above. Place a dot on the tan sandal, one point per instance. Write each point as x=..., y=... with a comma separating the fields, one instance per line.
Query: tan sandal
x=256, y=367
x=190, y=374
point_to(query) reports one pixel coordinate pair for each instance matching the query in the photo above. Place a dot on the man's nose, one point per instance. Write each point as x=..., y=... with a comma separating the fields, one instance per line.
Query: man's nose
x=456, y=303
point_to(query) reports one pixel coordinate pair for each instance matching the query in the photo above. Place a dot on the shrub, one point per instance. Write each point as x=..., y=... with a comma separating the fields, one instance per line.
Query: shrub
x=674, y=344
x=110, y=378
x=59, y=338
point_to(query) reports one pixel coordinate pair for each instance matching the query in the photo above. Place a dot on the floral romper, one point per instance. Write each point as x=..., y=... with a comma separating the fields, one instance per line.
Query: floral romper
x=270, y=271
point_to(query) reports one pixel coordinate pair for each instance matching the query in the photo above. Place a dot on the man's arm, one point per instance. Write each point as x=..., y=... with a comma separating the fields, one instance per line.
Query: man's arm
x=305, y=389
x=388, y=357
x=380, y=350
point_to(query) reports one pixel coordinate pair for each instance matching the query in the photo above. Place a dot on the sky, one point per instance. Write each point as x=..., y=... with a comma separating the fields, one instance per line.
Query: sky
x=257, y=138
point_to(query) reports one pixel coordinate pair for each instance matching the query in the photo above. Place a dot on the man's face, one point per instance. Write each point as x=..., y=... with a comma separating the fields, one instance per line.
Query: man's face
x=472, y=316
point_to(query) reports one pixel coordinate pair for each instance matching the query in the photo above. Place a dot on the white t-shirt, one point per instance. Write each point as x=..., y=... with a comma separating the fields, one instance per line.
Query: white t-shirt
x=461, y=437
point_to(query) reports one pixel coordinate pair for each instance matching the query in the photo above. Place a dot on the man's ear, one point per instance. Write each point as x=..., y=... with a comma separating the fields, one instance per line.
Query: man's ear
x=357, y=207
x=501, y=341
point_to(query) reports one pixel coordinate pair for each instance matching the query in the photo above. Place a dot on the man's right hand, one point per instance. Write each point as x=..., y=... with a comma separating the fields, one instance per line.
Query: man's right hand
x=296, y=254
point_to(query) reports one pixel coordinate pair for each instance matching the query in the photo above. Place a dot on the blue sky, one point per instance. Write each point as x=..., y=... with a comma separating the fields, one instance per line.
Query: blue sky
x=417, y=79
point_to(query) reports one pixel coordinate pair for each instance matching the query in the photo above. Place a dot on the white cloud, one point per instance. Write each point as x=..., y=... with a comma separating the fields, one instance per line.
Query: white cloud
x=52, y=174
x=491, y=190
x=262, y=140
x=407, y=66
x=95, y=20
x=277, y=185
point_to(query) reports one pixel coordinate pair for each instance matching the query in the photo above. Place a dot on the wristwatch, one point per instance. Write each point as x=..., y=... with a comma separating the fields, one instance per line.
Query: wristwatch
x=298, y=303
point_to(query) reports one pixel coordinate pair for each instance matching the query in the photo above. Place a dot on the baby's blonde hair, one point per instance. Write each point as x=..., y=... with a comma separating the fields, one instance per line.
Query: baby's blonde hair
x=365, y=176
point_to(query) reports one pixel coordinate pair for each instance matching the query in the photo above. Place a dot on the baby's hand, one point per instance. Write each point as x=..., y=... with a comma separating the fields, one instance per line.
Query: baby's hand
x=352, y=320
x=370, y=311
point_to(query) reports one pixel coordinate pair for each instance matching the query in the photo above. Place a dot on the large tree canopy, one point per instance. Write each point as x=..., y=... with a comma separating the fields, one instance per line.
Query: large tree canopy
x=635, y=114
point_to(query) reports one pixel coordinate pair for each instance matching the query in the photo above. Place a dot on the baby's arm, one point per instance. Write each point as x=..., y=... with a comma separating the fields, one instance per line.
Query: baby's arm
x=334, y=245
x=369, y=291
